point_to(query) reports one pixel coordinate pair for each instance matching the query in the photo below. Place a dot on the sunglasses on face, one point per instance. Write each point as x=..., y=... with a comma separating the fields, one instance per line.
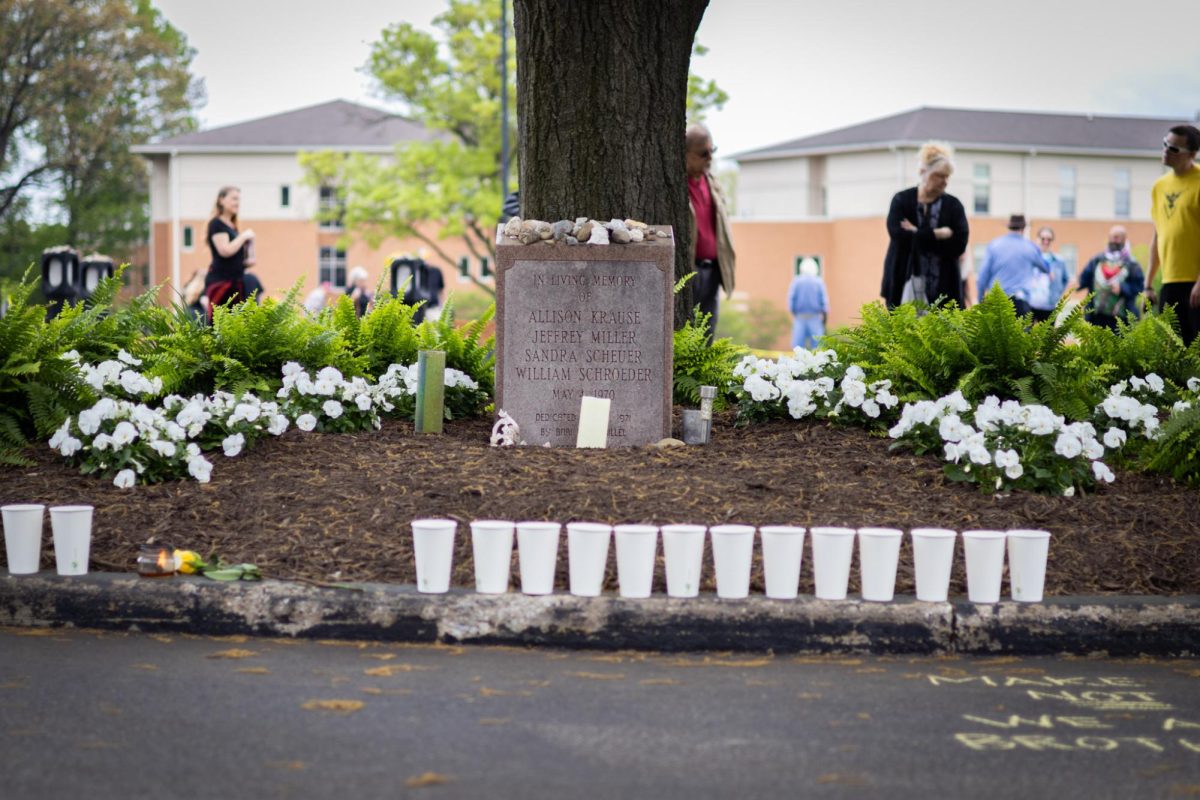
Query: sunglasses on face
x=1173, y=149
x=709, y=153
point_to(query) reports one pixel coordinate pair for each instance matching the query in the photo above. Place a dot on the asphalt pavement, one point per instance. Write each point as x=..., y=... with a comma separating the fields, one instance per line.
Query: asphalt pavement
x=128, y=715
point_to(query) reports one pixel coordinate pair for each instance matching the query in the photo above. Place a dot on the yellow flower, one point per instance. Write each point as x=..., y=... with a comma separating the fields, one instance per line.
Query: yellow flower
x=188, y=562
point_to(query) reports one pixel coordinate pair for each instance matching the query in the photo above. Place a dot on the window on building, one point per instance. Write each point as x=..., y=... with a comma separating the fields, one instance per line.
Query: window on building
x=331, y=266
x=188, y=237
x=1069, y=253
x=1121, y=186
x=332, y=209
x=285, y=196
x=1066, y=192
x=983, y=188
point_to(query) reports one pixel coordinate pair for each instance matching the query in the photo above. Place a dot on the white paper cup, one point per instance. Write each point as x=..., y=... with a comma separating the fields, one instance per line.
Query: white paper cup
x=636, y=547
x=587, y=556
x=933, y=557
x=23, y=537
x=733, y=549
x=832, y=551
x=985, y=565
x=683, y=551
x=1027, y=551
x=433, y=550
x=878, y=557
x=491, y=546
x=782, y=554
x=537, y=548
x=72, y=526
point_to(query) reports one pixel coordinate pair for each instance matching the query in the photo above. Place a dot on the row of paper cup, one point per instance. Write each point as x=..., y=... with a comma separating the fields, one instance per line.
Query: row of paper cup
x=733, y=549
x=72, y=527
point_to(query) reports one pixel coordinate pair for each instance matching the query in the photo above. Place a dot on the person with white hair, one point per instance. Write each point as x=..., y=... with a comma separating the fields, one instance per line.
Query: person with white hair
x=809, y=303
x=927, y=229
x=358, y=289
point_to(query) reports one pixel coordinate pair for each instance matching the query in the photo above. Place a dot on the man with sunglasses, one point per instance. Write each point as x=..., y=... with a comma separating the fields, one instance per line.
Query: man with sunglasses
x=1175, y=209
x=711, y=244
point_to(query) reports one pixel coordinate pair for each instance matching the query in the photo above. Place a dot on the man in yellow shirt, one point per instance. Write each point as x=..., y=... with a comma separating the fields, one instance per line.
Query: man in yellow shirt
x=1175, y=209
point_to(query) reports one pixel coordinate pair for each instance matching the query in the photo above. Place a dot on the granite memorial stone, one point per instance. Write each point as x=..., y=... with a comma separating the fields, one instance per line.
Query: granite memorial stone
x=585, y=320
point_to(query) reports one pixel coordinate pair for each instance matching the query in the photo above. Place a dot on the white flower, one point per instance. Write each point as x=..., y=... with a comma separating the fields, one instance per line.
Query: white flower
x=1193, y=384
x=102, y=442
x=125, y=478
x=176, y=432
x=70, y=355
x=1155, y=382
x=761, y=390
x=70, y=446
x=277, y=425
x=1067, y=445
x=324, y=387
x=193, y=450
x=1092, y=450
x=1006, y=458
x=128, y=359
x=246, y=411
x=291, y=369
x=1102, y=472
x=980, y=455
x=199, y=468
x=1114, y=438
x=330, y=374
x=306, y=422
x=1069, y=491
x=1014, y=471
x=363, y=401
x=233, y=444
x=133, y=383
x=870, y=408
x=332, y=409
x=61, y=434
x=89, y=421
x=123, y=434
x=164, y=448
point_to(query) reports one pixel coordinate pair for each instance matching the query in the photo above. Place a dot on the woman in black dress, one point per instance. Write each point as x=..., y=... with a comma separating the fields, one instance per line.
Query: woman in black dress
x=928, y=232
x=224, y=282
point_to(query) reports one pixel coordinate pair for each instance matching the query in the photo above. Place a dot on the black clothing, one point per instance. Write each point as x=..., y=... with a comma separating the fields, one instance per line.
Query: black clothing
x=221, y=268
x=921, y=251
x=1179, y=295
x=706, y=287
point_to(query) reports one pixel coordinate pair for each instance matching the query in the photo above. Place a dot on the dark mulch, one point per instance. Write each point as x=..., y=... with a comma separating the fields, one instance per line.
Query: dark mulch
x=337, y=507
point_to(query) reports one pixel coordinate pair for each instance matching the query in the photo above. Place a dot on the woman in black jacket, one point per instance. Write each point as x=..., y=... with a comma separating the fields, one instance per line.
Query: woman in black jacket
x=928, y=232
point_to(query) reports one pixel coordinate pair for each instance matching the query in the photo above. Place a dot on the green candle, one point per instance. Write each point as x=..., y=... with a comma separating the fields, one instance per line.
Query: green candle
x=431, y=390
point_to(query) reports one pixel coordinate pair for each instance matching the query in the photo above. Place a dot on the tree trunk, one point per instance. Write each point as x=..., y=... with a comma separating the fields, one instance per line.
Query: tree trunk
x=601, y=109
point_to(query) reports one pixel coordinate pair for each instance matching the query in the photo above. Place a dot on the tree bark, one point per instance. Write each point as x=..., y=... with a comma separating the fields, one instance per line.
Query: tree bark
x=601, y=109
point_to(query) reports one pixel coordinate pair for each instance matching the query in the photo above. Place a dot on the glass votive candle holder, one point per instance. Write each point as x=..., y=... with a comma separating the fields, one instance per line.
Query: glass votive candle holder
x=156, y=561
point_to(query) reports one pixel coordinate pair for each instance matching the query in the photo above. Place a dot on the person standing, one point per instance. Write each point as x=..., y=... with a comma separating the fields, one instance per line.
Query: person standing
x=1010, y=261
x=1115, y=279
x=927, y=235
x=225, y=280
x=809, y=303
x=359, y=291
x=1175, y=210
x=711, y=244
x=1048, y=283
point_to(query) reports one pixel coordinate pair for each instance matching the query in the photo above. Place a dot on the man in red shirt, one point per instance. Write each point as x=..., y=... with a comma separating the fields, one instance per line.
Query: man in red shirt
x=711, y=244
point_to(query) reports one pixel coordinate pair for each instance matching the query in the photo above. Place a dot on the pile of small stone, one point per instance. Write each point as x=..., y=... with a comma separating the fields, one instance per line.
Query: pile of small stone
x=582, y=231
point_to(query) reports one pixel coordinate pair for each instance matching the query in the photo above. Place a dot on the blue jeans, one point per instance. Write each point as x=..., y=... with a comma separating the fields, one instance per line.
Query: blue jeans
x=806, y=330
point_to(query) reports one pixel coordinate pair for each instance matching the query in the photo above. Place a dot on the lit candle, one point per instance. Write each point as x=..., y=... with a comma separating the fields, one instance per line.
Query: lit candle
x=431, y=390
x=593, y=422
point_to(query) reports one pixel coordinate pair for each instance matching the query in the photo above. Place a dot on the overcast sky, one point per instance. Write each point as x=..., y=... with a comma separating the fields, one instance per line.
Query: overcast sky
x=791, y=67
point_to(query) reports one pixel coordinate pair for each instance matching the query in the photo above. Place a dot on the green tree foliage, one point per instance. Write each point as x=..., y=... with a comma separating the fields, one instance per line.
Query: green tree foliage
x=449, y=185
x=80, y=82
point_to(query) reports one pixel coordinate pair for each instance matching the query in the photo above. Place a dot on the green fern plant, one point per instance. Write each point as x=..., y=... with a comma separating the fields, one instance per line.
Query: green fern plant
x=1176, y=451
x=464, y=349
x=698, y=363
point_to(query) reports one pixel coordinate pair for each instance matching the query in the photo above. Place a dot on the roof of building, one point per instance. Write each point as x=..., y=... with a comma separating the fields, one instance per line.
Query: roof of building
x=993, y=130
x=338, y=124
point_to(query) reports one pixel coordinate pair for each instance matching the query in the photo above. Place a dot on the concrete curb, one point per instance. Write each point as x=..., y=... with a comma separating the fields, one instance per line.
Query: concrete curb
x=1119, y=625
